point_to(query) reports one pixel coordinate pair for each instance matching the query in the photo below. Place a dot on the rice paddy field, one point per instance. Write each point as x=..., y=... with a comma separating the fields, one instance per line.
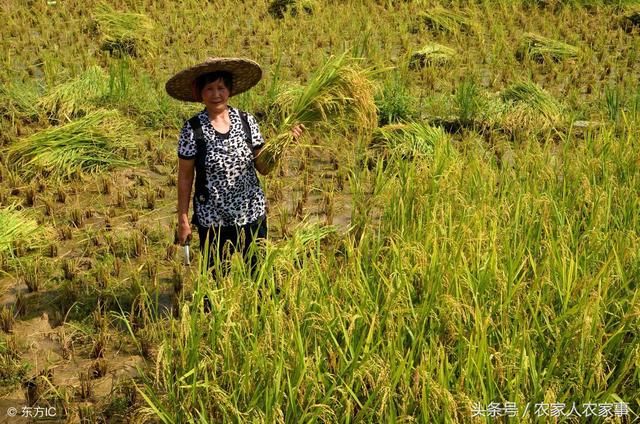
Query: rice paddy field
x=456, y=238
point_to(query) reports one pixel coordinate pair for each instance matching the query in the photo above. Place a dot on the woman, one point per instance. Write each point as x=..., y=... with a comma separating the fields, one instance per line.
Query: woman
x=221, y=146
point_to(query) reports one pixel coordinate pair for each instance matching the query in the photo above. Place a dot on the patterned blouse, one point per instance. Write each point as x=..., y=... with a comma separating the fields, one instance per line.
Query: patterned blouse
x=235, y=195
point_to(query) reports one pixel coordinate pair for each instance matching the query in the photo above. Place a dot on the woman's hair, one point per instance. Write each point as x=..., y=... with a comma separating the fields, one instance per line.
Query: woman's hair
x=205, y=79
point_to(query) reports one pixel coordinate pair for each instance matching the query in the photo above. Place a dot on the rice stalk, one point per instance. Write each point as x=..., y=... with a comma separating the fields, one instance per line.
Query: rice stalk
x=541, y=49
x=18, y=227
x=76, y=97
x=340, y=94
x=123, y=32
x=441, y=19
x=432, y=54
x=92, y=143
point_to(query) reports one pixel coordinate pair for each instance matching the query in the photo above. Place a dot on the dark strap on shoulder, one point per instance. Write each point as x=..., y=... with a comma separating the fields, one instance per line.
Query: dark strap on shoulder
x=201, y=155
x=247, y=128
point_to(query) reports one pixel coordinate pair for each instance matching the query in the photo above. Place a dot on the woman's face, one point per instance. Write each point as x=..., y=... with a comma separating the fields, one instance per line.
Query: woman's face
x=215, y=95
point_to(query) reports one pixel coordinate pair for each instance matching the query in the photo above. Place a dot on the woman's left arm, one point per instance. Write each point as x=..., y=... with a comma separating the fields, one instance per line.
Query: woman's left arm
x=260, y=163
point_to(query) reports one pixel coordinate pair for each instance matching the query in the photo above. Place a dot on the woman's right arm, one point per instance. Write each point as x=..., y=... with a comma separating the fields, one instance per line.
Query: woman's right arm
x=185, y=182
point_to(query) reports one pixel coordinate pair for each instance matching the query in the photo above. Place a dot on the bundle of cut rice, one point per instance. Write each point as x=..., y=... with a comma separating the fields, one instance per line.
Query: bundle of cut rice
x=540, y=49
x=94, y=142
x=76, y=97
x=533, y=96
x=278, y=8
x=123, y=32
x=18, y=100
x=408, y=140
x=17, y=227
x=339, y=95
x=431, y=55
x=631, y=17
x=529, y=109
x=441, y=19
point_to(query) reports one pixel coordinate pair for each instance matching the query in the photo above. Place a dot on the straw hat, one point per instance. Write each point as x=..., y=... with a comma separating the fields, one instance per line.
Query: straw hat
x=246, y=73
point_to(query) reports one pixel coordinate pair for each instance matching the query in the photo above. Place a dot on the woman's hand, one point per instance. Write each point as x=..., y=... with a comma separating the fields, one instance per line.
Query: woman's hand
x=297, y=131
x=184, y=232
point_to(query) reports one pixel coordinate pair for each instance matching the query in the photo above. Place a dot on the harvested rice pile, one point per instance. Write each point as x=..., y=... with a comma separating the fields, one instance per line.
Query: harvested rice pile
x=124, y=32
x=76, y=97
x=17, y=227
x=408, y=140
x=97, y=141
x=431, y=55
x=543, y=49
x=446, y=20
x=529, y=108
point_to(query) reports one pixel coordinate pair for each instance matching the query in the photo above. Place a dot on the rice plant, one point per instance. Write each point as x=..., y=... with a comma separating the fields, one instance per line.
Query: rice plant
x=95, y=142
x=542, y=49
x=613, y=102
x=432, y=54
x=468, y=101
x=395, y=102
x=125, y=32
x=76, y=97
x=339, y=94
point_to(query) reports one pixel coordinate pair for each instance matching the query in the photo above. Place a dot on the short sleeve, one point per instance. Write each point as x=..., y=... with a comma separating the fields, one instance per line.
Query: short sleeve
x=186, y=143
x=256, y=136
